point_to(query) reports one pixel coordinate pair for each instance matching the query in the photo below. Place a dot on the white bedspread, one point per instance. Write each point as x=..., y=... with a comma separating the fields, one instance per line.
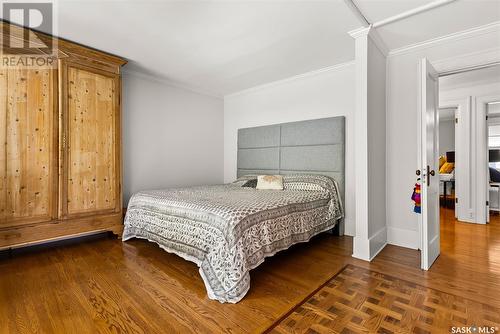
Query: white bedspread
x=227, y=230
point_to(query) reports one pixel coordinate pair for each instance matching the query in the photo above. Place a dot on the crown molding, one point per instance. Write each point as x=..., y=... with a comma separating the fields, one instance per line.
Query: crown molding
x=472, y=59
x=168, y=82
x=313, y=73
x=361, y=31
x=374, y=36
x=464, y=34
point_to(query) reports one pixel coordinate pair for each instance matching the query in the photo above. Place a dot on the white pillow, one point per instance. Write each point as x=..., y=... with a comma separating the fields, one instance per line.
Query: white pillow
x=270, y=182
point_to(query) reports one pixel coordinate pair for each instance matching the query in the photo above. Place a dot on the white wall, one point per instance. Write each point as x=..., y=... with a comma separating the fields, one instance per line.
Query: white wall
x=446, y=136
x=402, y=116
x=171, y=136
x=376, y=148
x=325, y=93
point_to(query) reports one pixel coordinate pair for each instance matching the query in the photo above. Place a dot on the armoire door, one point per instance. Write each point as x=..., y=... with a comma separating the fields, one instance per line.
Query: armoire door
x=91, y=168
x=28, y=146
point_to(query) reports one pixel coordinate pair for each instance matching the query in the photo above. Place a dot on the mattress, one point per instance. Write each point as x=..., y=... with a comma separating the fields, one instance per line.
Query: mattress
x=227, y=230
x=447, y=176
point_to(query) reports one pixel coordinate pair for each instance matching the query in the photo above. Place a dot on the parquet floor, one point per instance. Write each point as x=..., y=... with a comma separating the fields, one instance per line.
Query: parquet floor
x=106, y=286
x=359, y=300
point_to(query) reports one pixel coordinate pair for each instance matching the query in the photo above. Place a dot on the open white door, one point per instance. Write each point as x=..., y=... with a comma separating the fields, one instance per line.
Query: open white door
x=482, y=161
x=429, y=124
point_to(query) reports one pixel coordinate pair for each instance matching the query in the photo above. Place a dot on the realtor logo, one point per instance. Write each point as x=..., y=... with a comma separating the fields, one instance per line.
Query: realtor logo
x=37, y=16
x=25, y=47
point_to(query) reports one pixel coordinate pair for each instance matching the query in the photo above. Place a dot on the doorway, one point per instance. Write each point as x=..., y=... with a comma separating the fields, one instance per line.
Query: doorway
x=493, y=163
x=454, y=152
x=447, y=166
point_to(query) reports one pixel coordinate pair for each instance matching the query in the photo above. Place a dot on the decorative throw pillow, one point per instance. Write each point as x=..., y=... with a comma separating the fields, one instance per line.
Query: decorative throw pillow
x=250, y=184
x=270, y=182
x=442, y=160
x=447, y=168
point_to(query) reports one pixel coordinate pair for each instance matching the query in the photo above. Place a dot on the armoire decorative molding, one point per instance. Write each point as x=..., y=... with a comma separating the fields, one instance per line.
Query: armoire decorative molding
x=60, y=135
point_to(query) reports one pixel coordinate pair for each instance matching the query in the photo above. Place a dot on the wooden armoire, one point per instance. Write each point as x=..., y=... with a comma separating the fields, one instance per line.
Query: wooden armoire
x=60, y=152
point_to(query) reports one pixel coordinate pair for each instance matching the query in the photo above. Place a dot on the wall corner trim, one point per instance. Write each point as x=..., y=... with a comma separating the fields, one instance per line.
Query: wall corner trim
x=362, y=31
x=374, y=36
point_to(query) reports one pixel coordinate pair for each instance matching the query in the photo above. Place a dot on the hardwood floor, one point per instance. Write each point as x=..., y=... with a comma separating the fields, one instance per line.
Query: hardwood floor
x=106, y=286
x=358, y=300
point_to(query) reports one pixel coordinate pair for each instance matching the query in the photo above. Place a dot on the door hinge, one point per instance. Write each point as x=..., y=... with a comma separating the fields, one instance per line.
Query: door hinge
x=487, y=203
x=486, y=117
x=456, y=199
x=456, y=120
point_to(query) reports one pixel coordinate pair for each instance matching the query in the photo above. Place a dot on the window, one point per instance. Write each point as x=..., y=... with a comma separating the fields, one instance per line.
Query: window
x=494, y=136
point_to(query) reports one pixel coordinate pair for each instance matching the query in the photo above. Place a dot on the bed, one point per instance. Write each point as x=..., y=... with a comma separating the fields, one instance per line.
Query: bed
x=229, y=229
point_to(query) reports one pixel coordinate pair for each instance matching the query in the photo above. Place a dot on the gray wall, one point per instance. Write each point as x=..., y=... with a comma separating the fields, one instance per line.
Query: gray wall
x=171, y=136
x=446, y=136
x=376, y=128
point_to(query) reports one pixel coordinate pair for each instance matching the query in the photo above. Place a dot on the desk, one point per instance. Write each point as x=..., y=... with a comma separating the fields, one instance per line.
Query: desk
x=451, y=183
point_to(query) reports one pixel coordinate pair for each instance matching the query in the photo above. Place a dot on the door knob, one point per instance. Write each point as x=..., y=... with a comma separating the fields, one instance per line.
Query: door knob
x=429, y=174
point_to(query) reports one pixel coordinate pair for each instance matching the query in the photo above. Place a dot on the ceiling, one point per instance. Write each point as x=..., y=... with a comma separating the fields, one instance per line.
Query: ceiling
x=441, y=21
x=222, y=47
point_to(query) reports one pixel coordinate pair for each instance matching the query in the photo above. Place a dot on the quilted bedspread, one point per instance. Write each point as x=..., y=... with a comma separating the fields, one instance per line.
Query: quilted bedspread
x=227, y=230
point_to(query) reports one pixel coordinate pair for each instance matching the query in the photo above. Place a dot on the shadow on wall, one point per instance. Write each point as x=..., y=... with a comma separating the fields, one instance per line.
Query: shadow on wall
x=171, y=136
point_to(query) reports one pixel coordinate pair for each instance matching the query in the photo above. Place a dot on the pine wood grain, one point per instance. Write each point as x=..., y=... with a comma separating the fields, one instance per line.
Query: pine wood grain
x=27, y=169
x=92, y=179
x=49, y=116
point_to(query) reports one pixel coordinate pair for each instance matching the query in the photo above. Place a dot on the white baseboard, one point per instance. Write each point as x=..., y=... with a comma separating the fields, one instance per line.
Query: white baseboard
x=403, y=237
x=361, y=248
x=367, y=249
x=377, y=242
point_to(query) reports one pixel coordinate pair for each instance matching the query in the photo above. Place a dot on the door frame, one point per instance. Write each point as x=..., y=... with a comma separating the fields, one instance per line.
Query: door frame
x=481, y=149
x=463, y=191
x=446, y=66
x=456, y=114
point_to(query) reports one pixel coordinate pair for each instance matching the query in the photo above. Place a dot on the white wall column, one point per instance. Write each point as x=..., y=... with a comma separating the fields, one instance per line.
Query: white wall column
x=370, y=144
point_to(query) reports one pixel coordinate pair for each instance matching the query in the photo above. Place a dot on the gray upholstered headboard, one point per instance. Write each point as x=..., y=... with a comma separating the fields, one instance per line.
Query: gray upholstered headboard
x=313, y=147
